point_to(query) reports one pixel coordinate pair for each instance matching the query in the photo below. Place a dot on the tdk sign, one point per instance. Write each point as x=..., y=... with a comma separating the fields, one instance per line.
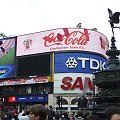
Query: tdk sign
x=79, y=63
x=71, y=62
x=94, y=64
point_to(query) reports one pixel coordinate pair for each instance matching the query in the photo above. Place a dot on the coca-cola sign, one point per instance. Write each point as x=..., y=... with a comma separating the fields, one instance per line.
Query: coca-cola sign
x=62, y=39
x=73, y=38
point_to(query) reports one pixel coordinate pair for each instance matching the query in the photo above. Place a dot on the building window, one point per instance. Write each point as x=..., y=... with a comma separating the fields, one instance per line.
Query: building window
x=16, y=89
x=47, y=89
x=33, y=89
x=1, y=90
x=40, y=88
x=11, y=88
x=22, y=89
x=5, y=89
x=28, y=89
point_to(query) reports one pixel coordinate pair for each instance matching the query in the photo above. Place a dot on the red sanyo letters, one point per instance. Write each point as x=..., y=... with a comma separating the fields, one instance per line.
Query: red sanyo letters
x=69, y=84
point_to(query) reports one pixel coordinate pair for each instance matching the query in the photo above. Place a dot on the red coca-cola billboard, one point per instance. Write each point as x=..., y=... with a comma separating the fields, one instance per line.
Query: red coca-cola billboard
x=62, y=39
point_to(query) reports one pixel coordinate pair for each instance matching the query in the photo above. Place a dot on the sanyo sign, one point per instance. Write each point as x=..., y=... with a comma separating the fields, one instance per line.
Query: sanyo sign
x=79, y=63
x=73, y=83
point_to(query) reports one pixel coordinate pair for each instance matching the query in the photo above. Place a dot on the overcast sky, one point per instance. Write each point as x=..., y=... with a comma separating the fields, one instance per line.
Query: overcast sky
x=20, y=17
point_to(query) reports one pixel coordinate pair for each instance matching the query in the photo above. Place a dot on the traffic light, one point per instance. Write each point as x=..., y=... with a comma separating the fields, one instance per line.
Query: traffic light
x=58, y=100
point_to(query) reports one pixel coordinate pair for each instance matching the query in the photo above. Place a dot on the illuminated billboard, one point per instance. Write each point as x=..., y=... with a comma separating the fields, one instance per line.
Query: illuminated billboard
x=21, y=81
x=40, y=98
x=7, y=57
x=78, y=62
x=73, y=83
x=61, y=40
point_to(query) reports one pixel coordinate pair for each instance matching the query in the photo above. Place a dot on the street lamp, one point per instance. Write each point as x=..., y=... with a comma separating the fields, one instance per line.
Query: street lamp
x=93, y=85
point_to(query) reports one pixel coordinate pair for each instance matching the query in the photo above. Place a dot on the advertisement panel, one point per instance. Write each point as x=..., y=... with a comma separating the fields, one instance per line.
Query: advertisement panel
x=44, y=79
x=73, y=83
x=28, y=98
x=78, y=63
x=34, y=65
x=7, y=57
x=61, y=40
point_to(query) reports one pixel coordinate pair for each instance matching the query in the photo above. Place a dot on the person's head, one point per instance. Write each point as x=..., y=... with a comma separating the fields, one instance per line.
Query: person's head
x=50, y=107
x=82, y=96
x=92, y=117
x=27, y=110
x=65, y=114
x=85, y=114
x=80, y=114
x=38, y=112
x=1, y=107
x=112, y=113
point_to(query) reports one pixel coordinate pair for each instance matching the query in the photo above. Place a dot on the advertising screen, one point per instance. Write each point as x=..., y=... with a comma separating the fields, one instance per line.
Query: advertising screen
x=61, y=40
x=7, y=57
x=33, y=65
x=73, y=83
x=78, y=62
x=21, y=81
x=28, y=98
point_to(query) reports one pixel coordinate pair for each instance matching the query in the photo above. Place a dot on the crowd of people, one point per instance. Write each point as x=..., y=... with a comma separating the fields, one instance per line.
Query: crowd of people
x=84, y=102
x=41, y=112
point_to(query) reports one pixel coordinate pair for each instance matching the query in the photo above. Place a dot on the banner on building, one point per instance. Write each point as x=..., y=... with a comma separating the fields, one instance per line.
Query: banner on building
x=7, y=58
x=61, y=40
x=44, y=79
x=78, y=62
x=78, y=83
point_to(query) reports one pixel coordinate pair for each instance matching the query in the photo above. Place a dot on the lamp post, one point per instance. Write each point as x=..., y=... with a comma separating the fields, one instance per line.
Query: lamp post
x=93, y=85
x=109, y=80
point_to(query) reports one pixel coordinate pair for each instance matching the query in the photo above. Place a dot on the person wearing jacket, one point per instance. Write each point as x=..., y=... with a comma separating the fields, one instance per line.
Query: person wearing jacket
x=2, y=114
x=78, y=116
x=24, y=115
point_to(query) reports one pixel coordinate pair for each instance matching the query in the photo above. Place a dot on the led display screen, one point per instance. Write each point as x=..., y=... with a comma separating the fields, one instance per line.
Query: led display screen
x=7, y=57
x=62, y=39
x=33, y=65
x=78, y=62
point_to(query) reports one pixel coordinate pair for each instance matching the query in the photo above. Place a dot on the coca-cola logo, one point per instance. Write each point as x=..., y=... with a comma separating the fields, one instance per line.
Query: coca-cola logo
x=72, y=38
